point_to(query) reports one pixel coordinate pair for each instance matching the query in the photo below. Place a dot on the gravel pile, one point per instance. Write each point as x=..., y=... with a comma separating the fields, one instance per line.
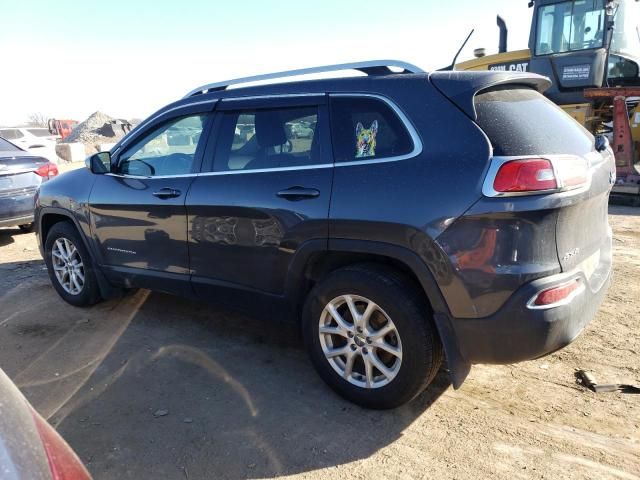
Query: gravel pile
x=92, y=132
x=89, y=130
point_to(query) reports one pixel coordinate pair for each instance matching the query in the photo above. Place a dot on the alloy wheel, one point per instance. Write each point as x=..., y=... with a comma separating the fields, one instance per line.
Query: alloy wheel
x=360, y=341
x=68, y=266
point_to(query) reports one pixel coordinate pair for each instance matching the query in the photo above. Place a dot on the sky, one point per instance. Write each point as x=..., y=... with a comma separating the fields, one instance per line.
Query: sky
x=128, y=58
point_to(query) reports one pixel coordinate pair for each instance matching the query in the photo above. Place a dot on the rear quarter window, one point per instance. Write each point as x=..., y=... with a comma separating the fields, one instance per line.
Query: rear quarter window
x=367, y=128
x=521, y=121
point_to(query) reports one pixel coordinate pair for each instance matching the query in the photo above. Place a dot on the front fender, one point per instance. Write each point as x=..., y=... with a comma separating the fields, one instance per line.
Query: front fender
x=40, y=219
x=68, y=196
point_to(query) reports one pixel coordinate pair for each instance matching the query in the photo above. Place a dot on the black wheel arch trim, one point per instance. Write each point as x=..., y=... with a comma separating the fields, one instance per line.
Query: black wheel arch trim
x=458, y=367
x=107, y=290
x=44, y=211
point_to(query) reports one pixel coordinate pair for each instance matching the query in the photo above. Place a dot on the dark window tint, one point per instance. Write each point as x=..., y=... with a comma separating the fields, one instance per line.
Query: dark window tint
x=270, y=138
x=7, y=146
x=365, y=129
x=168, y=150
x=521, y=121
x=620, y=67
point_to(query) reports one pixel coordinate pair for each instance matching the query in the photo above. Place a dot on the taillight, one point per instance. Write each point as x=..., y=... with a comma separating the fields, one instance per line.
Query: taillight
x=48, y=170
x=555, y=296
x=529, y=175
x=63, y=462
x=536, y=175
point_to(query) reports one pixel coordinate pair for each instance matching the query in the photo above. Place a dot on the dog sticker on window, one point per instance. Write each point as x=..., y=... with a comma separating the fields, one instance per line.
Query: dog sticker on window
x=366, y=140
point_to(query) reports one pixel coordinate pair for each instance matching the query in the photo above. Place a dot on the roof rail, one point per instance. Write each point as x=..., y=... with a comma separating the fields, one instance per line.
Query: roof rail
x=372, y=67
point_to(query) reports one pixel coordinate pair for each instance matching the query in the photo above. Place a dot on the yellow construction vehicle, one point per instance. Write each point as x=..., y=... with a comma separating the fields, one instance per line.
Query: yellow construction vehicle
x=590, y=49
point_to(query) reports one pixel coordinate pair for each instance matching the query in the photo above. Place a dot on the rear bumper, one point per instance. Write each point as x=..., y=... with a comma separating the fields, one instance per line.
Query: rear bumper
x=16, y=210
x=14, y=222
x=516, y=333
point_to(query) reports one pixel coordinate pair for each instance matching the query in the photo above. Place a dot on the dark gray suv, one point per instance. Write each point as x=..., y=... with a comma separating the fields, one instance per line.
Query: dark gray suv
x=424, y=214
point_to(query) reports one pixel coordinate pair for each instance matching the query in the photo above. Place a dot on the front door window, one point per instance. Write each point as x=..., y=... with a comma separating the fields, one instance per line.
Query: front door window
x=168, y=150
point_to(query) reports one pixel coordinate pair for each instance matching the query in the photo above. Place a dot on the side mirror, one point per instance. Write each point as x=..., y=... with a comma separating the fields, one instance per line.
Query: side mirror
x=99, y=163
x=602, y=143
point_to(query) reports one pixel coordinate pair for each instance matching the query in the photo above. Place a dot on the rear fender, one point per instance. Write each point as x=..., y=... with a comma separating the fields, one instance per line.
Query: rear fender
x=296, y=281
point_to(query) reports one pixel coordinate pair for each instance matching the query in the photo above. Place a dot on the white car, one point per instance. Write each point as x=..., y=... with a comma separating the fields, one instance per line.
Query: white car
x=36, y=140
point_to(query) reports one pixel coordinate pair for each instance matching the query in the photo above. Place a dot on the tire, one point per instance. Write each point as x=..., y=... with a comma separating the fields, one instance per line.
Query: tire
x=27, y=228
x=399, y=306
x=66, y=233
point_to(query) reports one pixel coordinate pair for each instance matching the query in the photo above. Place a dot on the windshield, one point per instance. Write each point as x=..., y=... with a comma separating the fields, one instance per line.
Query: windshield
x=626, y=34
x=570, y=26
x=7, y=146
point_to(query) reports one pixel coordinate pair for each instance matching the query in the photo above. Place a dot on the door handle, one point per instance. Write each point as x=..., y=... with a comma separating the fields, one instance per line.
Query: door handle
x=167, y=193
x=298, y=193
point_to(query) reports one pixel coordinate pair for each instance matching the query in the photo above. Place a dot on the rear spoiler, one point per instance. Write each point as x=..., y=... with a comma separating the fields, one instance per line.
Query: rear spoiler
x=462, y=87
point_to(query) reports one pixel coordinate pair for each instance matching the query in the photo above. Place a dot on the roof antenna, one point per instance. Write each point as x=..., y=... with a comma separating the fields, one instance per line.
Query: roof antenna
x=453, y=63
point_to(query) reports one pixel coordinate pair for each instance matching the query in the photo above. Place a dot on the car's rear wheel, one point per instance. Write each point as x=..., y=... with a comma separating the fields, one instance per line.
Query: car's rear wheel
x=26, y=228
x=70, y=266
x=371, y=337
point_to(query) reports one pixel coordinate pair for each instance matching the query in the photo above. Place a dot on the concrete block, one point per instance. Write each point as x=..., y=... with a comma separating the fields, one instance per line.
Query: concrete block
x=71, y=152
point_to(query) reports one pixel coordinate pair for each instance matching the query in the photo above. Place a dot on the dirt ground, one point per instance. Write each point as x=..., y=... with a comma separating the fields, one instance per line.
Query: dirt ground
x=242, y=400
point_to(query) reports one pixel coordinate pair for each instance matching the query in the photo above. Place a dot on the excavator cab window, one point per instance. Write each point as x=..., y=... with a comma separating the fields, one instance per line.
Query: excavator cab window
x=570, y=26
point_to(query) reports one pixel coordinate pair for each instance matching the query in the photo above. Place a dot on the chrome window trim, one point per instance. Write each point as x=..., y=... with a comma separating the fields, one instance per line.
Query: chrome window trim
x=498, y=161
x=226, y=172
x=265, y=170
x=413, y=133
x=145, y=177
x=415, y=138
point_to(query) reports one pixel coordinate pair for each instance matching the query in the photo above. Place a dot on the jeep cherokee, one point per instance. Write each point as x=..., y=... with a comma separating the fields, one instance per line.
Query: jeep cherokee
x=422, y=215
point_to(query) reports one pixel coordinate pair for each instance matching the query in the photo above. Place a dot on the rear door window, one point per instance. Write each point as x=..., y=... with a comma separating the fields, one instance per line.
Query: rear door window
x=367, y=128
x=268, y=138
x=520, y=121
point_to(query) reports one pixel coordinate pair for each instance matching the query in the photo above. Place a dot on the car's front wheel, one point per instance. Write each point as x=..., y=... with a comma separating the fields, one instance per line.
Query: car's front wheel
x=370, y=336
x=70, y=267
